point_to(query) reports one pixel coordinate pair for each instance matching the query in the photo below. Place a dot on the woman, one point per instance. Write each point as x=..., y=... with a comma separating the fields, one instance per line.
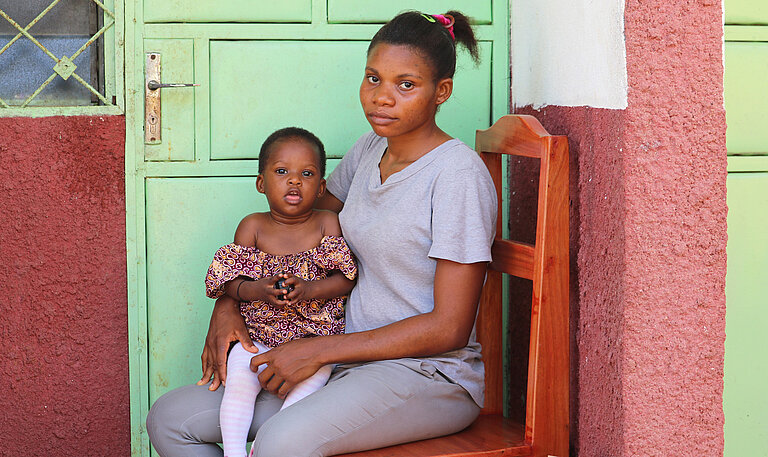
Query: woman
x=418, y=209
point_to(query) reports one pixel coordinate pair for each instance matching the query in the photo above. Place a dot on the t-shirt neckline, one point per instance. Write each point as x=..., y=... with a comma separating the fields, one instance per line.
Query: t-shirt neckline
x=409, y=170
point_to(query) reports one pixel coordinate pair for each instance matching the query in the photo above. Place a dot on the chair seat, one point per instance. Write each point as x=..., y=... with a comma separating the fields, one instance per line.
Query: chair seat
x=490, y=435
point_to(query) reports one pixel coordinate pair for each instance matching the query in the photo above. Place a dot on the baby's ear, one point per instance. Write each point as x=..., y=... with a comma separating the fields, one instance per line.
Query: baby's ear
x=260, y=183
x=321, y=190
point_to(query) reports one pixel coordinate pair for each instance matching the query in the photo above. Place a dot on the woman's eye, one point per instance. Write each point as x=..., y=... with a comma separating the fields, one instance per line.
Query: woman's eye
x=407, y=85
x=372, y=79
x=307, y=173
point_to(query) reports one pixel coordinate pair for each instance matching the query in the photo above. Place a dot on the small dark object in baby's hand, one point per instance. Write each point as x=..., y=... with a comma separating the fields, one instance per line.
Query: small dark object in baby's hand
x=280, y=284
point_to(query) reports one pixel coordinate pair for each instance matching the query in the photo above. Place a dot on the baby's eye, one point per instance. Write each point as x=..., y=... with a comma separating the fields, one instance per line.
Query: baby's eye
x=372, y=79
x=307, y=173
x=281, y=171
x=407, y=85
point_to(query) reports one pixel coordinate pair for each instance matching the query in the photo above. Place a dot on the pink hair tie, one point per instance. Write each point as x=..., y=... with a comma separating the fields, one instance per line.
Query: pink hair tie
x=447, y=22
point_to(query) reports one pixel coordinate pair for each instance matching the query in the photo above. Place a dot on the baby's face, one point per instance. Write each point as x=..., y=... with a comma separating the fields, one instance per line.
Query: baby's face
x=291, y=178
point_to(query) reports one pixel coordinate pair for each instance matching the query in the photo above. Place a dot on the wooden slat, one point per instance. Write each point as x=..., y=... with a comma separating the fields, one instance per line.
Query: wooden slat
x=518, y=135
x=489, y=328
x=547, y=416
x=488, y=436
x=513, y=258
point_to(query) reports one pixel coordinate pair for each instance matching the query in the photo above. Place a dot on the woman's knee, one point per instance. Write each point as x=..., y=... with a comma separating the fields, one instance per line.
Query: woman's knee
x=281, y=438
x=161, y=418
x=188, y=414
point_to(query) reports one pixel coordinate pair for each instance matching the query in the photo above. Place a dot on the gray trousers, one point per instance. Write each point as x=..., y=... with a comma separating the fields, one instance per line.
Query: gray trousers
x=363, y=407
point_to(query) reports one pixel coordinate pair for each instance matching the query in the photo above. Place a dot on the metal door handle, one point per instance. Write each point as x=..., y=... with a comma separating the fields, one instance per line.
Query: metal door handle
x=154, y=85
x=152, y=117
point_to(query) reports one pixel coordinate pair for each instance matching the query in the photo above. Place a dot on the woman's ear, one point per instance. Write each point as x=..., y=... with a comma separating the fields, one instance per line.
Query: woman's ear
x=260, y=183
x=444, y=90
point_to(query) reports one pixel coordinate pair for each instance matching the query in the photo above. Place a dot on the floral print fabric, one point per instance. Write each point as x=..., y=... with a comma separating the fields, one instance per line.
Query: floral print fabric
x=272, y=325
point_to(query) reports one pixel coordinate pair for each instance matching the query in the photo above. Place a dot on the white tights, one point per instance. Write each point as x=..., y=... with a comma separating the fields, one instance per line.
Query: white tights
x=240, y=397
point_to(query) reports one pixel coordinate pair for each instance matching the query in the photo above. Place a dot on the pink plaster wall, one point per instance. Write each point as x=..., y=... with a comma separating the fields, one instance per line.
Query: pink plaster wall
x=649, y=236
x=63, y=281
x=675, y=174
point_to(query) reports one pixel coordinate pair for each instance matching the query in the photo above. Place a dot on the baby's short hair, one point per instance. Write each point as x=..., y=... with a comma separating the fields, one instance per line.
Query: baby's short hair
x=291, y=133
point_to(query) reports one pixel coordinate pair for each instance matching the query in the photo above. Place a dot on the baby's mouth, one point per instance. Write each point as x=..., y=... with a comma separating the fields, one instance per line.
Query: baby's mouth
x=293, y=197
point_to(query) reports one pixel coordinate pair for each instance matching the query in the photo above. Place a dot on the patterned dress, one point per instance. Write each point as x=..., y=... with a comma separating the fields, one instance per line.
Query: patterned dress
x=272, y=325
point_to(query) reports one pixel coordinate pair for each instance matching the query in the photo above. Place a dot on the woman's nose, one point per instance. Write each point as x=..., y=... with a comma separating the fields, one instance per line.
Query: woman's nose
x=382, y=96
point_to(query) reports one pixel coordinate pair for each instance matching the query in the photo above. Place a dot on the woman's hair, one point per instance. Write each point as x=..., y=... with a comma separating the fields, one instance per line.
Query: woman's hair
x=430, y=38
x=291, y=133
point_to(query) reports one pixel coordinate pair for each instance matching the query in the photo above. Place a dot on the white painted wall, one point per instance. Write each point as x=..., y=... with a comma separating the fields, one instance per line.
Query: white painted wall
x=568, y=53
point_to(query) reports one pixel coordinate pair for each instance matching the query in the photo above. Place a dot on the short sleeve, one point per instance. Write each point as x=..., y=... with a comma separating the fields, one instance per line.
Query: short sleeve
x=228, y=263
x=464, y=215
x=340, y=179
x=334, y=254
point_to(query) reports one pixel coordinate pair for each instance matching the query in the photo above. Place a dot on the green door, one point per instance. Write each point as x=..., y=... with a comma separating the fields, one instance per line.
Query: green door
x=745, y=402
x=260, y=65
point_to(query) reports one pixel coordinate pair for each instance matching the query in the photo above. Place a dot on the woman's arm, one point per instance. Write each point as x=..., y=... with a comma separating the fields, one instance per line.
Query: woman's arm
x=447, y=327
x=226, y=326
x=330, y=202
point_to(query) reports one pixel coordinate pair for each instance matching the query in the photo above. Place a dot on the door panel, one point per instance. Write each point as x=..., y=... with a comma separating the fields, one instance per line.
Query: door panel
x=746, y=368
x=250, y=99
x=746, y=12
x=248, y=103
x=227, y=11
x=746, y=96
x=188, y=219
x=358, y=11
x=177, y=124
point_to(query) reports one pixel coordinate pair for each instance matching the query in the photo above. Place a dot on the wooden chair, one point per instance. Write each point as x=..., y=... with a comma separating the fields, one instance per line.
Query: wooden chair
x=545, y=432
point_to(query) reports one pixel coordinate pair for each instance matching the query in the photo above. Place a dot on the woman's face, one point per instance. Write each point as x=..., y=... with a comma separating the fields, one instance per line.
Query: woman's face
x=291, y=178
x=399, y=94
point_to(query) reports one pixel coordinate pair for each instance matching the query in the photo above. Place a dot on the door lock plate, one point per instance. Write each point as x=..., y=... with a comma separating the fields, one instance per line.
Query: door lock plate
x=152, y=99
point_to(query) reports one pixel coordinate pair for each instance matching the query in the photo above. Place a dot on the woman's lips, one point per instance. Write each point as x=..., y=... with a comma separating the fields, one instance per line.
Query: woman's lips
x=381, y=118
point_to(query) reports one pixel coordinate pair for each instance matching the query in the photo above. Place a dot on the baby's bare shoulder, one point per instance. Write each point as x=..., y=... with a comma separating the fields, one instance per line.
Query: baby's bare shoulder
x=248, y=230
x=328, y=222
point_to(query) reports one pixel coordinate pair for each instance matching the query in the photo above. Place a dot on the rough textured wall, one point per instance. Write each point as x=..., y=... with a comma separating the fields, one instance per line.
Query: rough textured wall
x=597, y=270
x=63, y=281
x=675, y=172
x=649, y=215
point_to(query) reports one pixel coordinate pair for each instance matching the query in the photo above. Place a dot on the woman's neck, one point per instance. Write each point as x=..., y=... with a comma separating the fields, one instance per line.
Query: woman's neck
x=406, y=149
x=410, y=147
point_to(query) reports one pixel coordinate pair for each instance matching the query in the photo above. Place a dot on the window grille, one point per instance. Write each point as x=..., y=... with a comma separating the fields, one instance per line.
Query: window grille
x=52, y=53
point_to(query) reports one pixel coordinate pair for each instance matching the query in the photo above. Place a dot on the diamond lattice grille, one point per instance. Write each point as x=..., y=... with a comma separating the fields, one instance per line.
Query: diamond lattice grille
x=63, y=67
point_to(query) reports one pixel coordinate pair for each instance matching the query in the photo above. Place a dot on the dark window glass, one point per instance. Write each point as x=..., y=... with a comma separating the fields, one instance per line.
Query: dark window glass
x=63, y=30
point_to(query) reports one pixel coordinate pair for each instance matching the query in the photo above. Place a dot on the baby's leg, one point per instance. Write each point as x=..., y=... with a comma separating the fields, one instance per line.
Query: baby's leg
x=308, y=386
x=239, y=400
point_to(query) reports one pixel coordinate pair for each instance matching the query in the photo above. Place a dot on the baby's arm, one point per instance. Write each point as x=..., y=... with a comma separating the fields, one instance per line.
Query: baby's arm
x=334, y=285
x=246, y=289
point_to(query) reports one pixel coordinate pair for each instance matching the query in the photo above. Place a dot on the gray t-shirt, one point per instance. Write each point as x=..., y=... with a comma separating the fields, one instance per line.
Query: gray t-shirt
x=442, y=206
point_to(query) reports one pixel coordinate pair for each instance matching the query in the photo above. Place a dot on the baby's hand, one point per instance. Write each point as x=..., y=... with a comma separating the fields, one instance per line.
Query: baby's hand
x=302, y=289
x=272, y=295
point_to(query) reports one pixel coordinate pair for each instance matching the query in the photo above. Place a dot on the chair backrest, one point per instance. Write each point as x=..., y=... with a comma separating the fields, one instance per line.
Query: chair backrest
x=546, y=265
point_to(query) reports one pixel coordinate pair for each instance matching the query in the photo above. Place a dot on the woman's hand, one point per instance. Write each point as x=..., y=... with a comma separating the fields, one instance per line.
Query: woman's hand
x=289, y=364
x=226, y=326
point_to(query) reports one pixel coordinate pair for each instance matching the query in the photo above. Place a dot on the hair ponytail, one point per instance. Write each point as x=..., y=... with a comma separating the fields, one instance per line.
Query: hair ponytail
x=431, y=38
x=462, y=30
